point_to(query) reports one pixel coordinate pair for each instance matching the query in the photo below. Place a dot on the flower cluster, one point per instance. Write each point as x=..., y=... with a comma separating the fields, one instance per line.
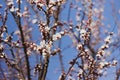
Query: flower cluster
x=37, y=68
x=101, y=51
x=2, y=55
x=58, y=35
x=79, y=46
x=85, y=35
x=43, y=48
x=21, y=49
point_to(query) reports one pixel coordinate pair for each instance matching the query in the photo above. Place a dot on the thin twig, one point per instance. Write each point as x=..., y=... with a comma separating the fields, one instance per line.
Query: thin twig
x=23, y=43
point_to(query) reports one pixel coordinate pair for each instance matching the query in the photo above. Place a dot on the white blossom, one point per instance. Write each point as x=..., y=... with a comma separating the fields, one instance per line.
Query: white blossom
x=48, y=48
x=47, y=28
x=104, y=46
x=17, y=32
x=52, y=1
x=12, y=9
x=44, y=53
x=85, y=66
x=101, y=65
x=16, y=9
x=79, y=46
x=100, y=71
x=2, y=55
x=108, y=39
x=42, y=43
x=50, y=43
x=101, y=52
x=1, y=46
x=10, y=2
x=96, y=10
x=114, y=62
x=17, y=1
x=34, y=21
x=98, y=56
x=82, y=31
x=62, y=32
x=36, y=1
x=56, y=36
x=80, y=71
x=28, y=52
x=93, y=24
x=2, y=35
x=19, y=14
